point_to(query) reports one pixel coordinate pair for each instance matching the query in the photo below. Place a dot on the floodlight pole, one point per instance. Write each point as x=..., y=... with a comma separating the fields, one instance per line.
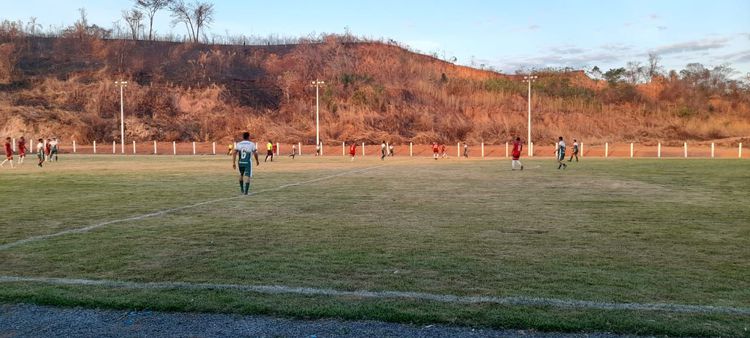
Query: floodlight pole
x=529, y=79
x=122, y=85
x=317, y=84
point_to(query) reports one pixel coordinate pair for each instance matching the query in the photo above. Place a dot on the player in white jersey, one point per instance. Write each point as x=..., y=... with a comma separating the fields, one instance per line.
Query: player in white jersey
x=245, y=149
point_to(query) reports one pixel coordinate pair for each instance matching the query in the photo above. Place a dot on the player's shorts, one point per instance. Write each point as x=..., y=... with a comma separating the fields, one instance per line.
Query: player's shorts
x=40, y=156
x=22, y=153
x=561, y=157
x=9, y=157
x=246, y=170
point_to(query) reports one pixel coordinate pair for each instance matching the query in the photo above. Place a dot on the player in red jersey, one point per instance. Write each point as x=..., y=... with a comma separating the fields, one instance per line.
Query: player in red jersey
x=8, y=153
x=48, y=150
x=21, y=149
x=435, y=150
x=517, y=148
x=443, y=153
x=353, y=150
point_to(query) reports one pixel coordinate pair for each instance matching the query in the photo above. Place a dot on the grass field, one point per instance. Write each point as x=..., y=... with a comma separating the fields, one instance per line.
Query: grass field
x=617, y=231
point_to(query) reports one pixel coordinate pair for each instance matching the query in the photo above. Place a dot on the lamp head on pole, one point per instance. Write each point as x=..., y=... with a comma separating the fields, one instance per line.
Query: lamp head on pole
x=121, y=83
x=529, y=78
x=317, y=83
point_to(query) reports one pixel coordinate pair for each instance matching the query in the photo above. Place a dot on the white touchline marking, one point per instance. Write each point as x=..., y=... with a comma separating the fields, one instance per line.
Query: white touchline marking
x=167, y=211
x=407, y=295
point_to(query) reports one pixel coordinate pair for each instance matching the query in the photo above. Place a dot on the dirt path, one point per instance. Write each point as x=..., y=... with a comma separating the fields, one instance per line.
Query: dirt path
x=25, y=320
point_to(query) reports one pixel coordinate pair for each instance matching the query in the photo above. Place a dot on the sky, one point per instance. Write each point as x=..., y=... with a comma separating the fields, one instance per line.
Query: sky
x=505, y=35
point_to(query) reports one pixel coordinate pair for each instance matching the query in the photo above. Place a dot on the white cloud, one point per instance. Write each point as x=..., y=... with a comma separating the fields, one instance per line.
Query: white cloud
x=691, y=46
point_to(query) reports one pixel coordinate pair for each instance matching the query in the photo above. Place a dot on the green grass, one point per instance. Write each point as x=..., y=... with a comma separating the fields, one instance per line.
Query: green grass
x=643, y=231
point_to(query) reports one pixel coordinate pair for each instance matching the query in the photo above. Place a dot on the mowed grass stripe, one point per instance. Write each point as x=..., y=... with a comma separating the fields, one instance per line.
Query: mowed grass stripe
x=172, y=210
x=281, y=289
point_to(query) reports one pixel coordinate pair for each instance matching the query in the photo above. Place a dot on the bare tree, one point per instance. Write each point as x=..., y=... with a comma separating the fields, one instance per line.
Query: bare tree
x=654, y=68
x=133, y=18
x=634, y=72
x=151, y=7
x=203, y=14
x=182, y=13
x=32, y=26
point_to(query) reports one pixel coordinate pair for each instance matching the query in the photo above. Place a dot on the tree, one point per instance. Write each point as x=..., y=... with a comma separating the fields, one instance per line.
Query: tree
x=203, y=13
x=32, y=26
x=654, y=68
x=614, y=75
x=151, y=7
x=195, y=16
x=133, y=18
x=595, y=73
x=635, y=72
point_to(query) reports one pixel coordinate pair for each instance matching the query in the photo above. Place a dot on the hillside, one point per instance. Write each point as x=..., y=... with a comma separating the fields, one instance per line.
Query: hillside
x=374, y=91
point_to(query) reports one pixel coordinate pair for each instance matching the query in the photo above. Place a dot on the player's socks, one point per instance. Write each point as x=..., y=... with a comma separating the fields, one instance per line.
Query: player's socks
x=242, y=187
x=247, y=188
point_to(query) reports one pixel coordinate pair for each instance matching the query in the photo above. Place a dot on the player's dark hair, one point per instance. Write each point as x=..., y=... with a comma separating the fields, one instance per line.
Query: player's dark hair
x=518, y=138
x=560, y=138
x=245, y=136
x=7, y=138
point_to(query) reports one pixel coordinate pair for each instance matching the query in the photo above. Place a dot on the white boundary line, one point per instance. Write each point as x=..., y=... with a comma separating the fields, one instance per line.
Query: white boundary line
x=406, y=295
x=167, y=211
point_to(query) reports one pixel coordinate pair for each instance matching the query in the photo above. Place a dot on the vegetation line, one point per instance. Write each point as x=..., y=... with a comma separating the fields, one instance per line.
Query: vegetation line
x=171, y=210
x=281, y=289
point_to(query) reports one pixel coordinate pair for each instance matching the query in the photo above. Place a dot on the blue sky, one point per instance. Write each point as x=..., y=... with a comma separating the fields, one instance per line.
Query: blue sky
x=507, y=35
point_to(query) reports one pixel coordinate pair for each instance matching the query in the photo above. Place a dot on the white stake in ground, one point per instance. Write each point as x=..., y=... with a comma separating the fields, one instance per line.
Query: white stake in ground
x=506, y=149
x=213, y=148
x=658, y=150
x=631, y=149
x=581, y=149
x=122, y=85
x=174, y=148
x=74, y=146
x=712, y=150
x=114, y=147
x=155, y=150
x=363, y=149
x=133, y=147
x=482, y=149
x=606, y=149
x=685, y=149
x=193, y=147
x=94, y=147
x=411, y=149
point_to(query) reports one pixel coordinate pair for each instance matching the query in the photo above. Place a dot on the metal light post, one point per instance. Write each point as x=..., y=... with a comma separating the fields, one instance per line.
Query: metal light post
x=317, y=83
x=122, y=85
x=529, y=79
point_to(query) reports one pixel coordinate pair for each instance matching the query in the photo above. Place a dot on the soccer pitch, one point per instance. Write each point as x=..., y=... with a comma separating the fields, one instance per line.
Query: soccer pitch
x=632, y=246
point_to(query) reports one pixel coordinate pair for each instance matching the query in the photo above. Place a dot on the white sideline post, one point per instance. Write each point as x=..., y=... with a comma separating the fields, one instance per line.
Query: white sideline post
x=581, y=149
x=343, y=149
x=193, y=147
x=133, y=147
x=94, y=147
x=363, y=149
x=278, y=149
x=631, y=149
x=458, y=150
x=658, y=150
x=411, y=149
x=74, y=146
x=174, y=148
x=155, y=150
x=685, y=149
x=506, y=149
x=606, y=149
x=321, y=148
x=213, y=148
x=299, y=147
x=739, y=152
x=712, y=150
x=482, y=150
x=114, y=146
x=531, y=149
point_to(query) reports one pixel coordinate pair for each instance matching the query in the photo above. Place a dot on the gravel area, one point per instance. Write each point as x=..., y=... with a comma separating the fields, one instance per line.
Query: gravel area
x=25, y=320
